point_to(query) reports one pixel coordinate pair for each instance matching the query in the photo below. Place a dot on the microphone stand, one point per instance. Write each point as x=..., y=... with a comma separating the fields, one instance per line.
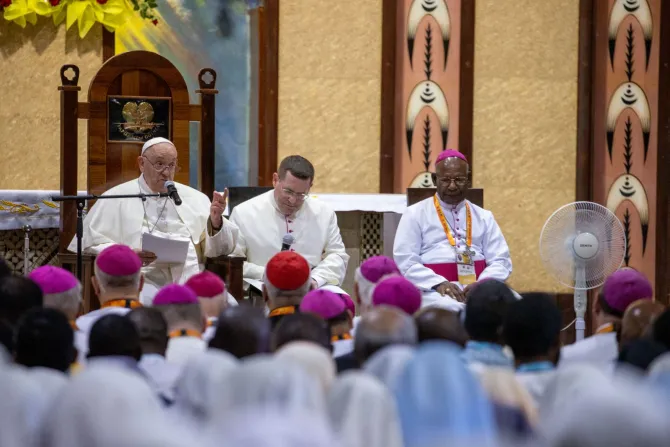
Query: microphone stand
x=81, y=202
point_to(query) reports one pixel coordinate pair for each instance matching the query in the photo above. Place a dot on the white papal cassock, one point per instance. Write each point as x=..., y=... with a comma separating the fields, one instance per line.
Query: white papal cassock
x=123, y=221
x=421, y=240
x=314, y=227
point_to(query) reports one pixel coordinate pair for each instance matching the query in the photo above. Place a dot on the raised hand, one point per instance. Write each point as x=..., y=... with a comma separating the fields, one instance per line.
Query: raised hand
x=219, y=202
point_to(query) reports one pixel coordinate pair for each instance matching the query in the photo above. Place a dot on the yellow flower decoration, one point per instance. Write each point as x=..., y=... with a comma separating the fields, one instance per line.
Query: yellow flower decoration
x=86, y=12
x=21, y=12
x=57, y=13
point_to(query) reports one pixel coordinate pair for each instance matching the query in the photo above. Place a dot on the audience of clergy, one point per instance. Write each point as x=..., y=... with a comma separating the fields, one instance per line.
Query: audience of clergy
x=442, y=351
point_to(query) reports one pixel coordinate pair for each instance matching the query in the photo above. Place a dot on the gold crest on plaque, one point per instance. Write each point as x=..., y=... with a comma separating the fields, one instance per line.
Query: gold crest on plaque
x=138, y=117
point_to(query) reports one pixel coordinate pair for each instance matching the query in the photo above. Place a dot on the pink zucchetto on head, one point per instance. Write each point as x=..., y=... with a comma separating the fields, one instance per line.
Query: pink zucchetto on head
x=118, y=260
x=323, y=303
x=450, y=153
x=206, y=284
x=51, y=279
x=175, y=294
x=398, y=292
x=348, y=303
x=376, y=267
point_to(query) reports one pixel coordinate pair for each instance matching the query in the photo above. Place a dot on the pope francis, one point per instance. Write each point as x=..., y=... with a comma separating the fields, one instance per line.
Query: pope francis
x=196, y=229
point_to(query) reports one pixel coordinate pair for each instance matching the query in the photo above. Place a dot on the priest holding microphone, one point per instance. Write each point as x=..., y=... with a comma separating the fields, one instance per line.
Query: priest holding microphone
x=182, y=229
x=444, y=244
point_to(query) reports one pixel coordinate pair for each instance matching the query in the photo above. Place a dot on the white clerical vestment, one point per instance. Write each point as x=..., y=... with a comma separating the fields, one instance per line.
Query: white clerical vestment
x=421, y=240
x=123, y=221
x=314, y=227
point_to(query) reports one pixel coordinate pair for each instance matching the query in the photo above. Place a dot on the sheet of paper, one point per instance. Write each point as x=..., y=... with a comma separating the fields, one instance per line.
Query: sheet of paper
x=170, y=251
x=254, y=283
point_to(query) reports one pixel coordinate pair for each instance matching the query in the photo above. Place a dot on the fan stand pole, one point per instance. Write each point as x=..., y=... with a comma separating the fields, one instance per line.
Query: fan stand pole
x=580, y=301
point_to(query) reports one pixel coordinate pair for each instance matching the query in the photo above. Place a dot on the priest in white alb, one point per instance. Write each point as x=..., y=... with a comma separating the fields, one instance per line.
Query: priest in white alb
x=287, y=213
x=185, y=234
x=445, y=243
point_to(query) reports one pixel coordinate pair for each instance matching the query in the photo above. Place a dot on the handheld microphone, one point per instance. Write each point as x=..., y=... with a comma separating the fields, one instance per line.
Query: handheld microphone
x=287, y=241
x=172, y=192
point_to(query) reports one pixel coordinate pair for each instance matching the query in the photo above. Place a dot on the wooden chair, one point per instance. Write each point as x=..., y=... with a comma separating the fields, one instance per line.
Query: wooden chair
x=415, y=195
x=232, y=267
x=142, y=76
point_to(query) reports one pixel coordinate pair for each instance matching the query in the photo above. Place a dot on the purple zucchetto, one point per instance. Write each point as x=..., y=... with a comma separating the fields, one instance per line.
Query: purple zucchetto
x=51, y=279
x=450, y=153
x=624, y=287
x=323, y=303
x=348, y=303
x=376, y=267
x=175, y=294
x=398, y=292
x=118, y=260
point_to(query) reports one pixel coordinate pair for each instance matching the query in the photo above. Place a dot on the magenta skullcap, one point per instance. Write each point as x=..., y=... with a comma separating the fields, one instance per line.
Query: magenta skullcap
x=376, y=267
x=624, y=287
x=175, y=294
x=118, y=260
x=206, y=284
x=348, y=303
x=324, y=303
x=398, y=292
x=51, y=279
x=450, y=153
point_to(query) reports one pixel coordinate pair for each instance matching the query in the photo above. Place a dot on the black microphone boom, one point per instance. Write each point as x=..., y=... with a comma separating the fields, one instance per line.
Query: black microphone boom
x=287, y=241
x=172, y=192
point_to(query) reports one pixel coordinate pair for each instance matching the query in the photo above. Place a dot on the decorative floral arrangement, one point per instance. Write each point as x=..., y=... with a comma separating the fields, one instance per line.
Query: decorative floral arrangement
x=112, y=14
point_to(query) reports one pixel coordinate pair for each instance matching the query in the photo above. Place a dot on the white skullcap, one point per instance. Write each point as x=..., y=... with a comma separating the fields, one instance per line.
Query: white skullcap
x=155, y=141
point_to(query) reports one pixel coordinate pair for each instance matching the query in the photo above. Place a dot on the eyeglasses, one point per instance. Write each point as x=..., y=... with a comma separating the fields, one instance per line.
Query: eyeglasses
x=460, y=181
x=160, y=167
x=296, y=195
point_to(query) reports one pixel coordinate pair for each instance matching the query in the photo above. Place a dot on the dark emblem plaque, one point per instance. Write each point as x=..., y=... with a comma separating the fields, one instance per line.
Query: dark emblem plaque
x=136, y=120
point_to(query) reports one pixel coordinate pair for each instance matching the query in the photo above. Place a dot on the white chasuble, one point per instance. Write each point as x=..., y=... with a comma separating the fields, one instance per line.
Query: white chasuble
x=123, y=221
x=421, y=240
x=317, y=237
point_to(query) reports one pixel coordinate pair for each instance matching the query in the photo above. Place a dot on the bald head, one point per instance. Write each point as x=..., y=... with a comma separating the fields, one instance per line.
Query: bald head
x=638, y=320
x=433, y=323
x=242, y=331
x=380, y=327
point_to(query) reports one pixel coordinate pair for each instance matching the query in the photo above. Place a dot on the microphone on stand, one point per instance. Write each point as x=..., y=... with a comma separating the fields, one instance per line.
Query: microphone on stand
x=287, y=241
x=172, y=192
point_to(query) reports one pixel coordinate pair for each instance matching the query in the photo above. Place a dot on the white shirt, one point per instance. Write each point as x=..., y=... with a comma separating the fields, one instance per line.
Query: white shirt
x=314, y=227
x=123, y=221
x=342, y=347
x=535, y=382
x=601, y=350
x=181, y=349
x=420, y=239
x=162, y=374
x=211, y=329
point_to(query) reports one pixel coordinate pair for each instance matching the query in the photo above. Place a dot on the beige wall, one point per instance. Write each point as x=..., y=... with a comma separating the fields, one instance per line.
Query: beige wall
x=30, y=61
x=525, y=121
x=329, y=90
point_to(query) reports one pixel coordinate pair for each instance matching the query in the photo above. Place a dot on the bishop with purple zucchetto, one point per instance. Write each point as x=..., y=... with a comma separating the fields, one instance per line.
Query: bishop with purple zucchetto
x=445, y=243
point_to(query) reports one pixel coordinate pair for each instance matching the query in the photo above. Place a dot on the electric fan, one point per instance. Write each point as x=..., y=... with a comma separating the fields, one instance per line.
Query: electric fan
x=581, y=244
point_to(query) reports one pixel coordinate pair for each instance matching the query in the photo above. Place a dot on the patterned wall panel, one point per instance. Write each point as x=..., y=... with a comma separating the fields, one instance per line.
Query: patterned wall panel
x=626, y=77
x=427, y=107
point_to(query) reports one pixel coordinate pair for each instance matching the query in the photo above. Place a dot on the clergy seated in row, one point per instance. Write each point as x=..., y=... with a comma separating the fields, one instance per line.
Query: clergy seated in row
x=286, y=281
x=485, y=311
x=332, y=308
x=153, y=332
x=242, y=331
x=532, y=330
x=181, y=309
x=61, y=290
x=286, y=214
x=117, y=280
x=445, y=244
x=190, y=232
x=380, y=327
x=638, y=320
x=434, y=323
x=213, y=298
x=621, y=289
